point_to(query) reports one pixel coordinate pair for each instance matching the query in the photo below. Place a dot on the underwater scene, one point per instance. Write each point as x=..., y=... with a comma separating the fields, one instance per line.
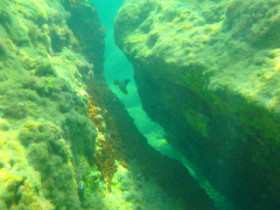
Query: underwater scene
x=139, y=104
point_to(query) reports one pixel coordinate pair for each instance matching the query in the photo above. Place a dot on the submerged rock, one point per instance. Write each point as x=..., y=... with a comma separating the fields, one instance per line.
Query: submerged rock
x=208, y=73
x=44, y=125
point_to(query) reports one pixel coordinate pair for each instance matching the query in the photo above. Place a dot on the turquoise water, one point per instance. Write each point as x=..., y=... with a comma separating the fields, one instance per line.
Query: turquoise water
x=117, y=66
x=140, y=104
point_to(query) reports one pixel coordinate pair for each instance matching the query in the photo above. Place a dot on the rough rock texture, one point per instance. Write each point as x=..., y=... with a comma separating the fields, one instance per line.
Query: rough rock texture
x=208, y=72
x=42, y=116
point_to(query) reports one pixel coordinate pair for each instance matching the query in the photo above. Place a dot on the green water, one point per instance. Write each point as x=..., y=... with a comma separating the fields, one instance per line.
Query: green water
x=117, y=66
x=196, y=127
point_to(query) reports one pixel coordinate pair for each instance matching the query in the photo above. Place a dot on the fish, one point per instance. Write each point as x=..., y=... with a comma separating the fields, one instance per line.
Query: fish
x=122, y=85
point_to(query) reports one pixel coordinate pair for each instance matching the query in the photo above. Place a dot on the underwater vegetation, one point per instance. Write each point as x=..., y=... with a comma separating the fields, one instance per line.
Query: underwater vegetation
x=57, y=176
x=108, y=147
x=208, y=73
x=45, y=131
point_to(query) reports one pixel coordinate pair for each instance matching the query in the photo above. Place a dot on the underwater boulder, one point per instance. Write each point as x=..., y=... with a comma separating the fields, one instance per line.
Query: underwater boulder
x=208, y=73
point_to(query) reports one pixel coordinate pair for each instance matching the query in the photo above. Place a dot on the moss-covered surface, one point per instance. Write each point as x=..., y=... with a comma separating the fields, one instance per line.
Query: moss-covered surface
x=208, y=72
x=45, y=131
x=20, y=183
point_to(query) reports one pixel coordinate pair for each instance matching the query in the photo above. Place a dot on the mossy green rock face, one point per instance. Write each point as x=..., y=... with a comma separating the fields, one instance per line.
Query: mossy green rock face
x=49, y=155
x=44, y=128
x=208, y=72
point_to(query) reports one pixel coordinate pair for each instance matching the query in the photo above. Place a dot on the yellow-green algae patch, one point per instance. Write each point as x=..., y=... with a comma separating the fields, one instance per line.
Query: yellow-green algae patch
x=20, y=184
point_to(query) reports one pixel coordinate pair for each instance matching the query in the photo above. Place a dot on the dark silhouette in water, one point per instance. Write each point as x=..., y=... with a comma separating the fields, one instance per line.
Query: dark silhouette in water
x=122, y=85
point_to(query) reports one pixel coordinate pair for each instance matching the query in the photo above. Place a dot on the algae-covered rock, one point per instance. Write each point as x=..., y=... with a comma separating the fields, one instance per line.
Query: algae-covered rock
x=84, y=23
x=208, y=72
x=49, y=155
x=44, y=126
x=20, y=184
x=16, y=111
x=45, y=69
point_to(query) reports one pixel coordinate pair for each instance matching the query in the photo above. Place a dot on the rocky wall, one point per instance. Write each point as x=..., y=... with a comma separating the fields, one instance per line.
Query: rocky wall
x=208, y=73
x=46, y=135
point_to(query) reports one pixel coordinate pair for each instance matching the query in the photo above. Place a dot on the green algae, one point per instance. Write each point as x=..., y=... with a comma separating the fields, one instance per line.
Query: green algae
x=41, y=108
x=49, y=155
